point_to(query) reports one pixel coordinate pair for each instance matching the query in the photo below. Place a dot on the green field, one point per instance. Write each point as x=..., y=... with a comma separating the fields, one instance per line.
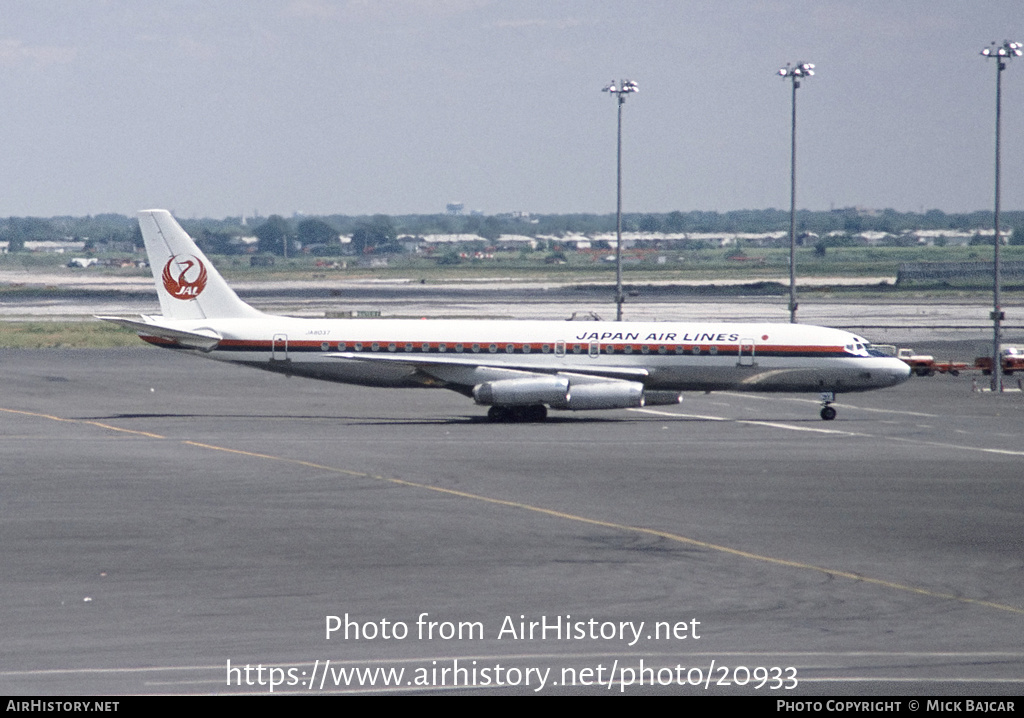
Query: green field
x=66, y=335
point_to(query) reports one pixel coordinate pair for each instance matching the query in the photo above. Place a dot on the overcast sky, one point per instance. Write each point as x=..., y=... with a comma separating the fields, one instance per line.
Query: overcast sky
x=219, y=108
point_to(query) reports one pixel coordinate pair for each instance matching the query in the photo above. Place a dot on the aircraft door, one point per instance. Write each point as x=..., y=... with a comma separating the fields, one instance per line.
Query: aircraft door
x=746, y=353
x=279, y=348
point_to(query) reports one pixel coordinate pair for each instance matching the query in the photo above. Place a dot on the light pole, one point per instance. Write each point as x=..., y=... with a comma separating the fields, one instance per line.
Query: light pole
x=802, y=69
x=1001, y=53
x=624, y=88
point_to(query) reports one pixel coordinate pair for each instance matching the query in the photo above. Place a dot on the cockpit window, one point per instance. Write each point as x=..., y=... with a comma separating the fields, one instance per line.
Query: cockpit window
x=863, y=348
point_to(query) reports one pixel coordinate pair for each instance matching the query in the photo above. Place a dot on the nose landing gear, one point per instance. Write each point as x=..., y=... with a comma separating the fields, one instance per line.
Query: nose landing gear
x=828, y=413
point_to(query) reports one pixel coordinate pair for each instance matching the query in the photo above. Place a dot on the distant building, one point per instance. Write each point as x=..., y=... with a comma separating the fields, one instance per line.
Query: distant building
x=523, y=217
x=873, y=238
x=515, y=242
x=956, y=237
x=452, y=238
x=47, y=246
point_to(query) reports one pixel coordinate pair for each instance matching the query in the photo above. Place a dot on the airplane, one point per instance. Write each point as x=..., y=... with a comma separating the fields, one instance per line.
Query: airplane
x=519, y=369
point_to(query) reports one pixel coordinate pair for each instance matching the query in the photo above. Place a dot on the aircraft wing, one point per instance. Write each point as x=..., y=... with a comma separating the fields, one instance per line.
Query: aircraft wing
x=204, y=340
x=472, y=370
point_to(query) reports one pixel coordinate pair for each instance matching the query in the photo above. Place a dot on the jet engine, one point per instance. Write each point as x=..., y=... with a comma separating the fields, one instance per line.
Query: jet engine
x=603, y=395
x=553, y=390
x=559, y=393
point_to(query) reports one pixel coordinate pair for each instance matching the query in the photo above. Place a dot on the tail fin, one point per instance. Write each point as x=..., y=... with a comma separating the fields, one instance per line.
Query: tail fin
x=187, y=283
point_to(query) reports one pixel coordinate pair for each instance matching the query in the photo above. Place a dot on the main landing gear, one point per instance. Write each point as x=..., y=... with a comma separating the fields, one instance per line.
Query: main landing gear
x=533, y=413
x=827, y=412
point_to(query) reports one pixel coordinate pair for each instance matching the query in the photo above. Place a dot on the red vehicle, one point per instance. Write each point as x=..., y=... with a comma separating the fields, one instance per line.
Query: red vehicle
x=925, y=364
x=1012, y=360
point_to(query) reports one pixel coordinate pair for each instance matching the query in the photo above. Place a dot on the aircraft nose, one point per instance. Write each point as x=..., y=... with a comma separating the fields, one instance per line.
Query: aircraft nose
x=889, y=372
x=899, y=371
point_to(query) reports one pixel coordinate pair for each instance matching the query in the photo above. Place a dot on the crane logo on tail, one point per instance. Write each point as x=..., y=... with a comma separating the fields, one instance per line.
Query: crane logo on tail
x=182, y=287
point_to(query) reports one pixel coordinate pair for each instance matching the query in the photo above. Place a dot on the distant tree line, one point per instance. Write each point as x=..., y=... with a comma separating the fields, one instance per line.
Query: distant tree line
x=383, y=233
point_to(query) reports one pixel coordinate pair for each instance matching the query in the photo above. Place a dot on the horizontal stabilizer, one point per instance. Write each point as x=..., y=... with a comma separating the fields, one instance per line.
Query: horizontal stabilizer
x=204, y=339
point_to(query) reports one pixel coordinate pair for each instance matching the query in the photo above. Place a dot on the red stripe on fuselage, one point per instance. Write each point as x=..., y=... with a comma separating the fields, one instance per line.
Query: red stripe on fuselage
x=574, y=348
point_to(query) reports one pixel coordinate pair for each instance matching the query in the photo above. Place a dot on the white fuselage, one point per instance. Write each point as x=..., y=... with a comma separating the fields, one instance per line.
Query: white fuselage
x=458, y=354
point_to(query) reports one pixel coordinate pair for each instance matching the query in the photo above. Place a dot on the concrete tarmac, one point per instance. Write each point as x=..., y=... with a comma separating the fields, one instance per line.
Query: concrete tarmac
x=172, y=525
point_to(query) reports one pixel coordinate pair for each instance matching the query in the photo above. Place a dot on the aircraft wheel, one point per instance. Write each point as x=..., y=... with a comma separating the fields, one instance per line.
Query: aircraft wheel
x=499, y=414
x=828, y=413
x=535, y=413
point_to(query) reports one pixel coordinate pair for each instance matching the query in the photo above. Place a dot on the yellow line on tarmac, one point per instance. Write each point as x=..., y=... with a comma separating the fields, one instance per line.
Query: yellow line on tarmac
x=83, y=421
x=626, y=527
x=564, y=515
x=117, y=428
x=300, y=462
x=36, y=414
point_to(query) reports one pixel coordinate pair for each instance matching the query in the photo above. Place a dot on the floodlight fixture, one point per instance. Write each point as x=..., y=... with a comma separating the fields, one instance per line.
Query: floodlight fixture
x=621, y=90
x=1007, y=49
x=801, y=69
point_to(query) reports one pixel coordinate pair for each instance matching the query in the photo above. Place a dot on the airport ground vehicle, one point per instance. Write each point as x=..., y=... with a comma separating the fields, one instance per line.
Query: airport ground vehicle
x=1011, y=360
x=519, y=369
x=926, y=364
